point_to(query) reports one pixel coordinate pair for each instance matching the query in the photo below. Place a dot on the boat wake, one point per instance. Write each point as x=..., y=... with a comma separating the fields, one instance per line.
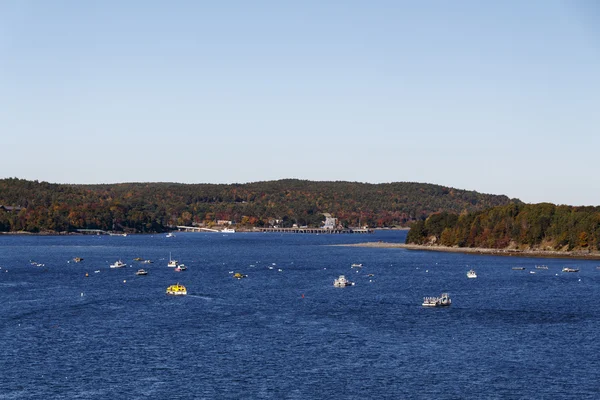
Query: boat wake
x=198, y=296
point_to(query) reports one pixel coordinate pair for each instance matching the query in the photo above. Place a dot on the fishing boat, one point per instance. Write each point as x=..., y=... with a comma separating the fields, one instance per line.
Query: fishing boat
x=472, y=274
x=177, y=290
x=342, y=282
x=567, y=269
x=141, y=272
x=118, y=264
x=442, y=301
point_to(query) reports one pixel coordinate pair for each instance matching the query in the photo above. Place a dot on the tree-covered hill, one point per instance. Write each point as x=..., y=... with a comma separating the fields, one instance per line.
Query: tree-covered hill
x=153, y=207
x=515, y=226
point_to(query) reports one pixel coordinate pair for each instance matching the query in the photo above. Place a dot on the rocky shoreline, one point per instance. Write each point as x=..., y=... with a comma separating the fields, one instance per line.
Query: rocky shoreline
x=585, y=255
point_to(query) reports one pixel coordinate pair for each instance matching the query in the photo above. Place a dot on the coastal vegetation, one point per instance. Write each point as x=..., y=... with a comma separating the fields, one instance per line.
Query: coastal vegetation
x=541, y=226
x=154, y=207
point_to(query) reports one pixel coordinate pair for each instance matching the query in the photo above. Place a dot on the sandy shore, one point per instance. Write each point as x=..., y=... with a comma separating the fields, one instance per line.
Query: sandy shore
x=492, y=252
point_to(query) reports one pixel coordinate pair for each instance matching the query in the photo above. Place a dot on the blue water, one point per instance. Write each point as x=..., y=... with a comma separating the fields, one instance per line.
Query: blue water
x=290, y=334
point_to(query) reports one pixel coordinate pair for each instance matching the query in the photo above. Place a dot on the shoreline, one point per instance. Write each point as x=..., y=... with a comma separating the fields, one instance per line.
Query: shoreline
x=576, y=255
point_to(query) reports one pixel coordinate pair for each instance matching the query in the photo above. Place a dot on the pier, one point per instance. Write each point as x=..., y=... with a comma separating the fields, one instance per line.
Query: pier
x=183, y=228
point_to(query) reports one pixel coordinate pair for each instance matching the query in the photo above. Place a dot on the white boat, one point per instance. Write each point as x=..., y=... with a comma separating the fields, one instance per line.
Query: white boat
x=356, y=265
x=342, y=282
x=141, y=272
x=567, y=269
x=169, y=235
x=472, y=274
x=228, y=230
x=180, y=267
x=172, y=263
x=442, y=301
x=118, y=264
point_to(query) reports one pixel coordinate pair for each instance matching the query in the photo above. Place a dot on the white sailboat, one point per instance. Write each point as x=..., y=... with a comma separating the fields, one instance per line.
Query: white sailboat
x=172, y=263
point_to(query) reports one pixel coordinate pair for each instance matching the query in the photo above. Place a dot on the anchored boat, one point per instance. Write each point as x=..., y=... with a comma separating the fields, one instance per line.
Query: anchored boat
x=567, y=269
x=342, y=282
x=118, y=264
x=442, y=301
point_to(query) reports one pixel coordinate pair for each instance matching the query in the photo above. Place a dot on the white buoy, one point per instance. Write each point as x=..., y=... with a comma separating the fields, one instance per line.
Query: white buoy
x=124, y=280
x=81, y=294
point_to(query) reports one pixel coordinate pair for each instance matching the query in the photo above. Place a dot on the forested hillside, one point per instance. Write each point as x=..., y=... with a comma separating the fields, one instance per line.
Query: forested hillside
x=520, y=226
x=153, y=207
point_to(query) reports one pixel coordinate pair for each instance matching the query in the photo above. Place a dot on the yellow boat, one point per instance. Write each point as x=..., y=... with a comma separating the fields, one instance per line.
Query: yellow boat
x=177, y=290
x=237, y=275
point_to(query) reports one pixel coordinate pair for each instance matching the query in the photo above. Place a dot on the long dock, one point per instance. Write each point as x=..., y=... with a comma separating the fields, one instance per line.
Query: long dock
x=316, y=230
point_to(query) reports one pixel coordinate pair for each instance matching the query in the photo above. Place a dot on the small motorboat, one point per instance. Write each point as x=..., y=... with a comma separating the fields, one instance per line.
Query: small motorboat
x=238, y=275
x=567, y=269
x=141, y=272
x=180, y=267
x=341, y=281
x=472, y=274
x=118, y=264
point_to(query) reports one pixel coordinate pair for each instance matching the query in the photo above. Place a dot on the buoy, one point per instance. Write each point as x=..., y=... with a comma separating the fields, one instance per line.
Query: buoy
x=81, y=294
x=86, y=275
x=124, y=280
x=302, y=295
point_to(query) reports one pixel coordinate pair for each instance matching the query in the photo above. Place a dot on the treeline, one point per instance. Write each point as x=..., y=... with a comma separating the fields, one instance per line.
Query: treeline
x=154, y=207
x=535, y=226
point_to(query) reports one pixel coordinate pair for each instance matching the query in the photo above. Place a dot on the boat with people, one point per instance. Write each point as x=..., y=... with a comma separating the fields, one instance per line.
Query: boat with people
x=141, y=272
x=77, y=259
x=471, y=274
x=118, y=264
x=342, y=282
x=238, y=275
x=180, y=267
x=567, y=269
x=442, y=301
x=177, y=290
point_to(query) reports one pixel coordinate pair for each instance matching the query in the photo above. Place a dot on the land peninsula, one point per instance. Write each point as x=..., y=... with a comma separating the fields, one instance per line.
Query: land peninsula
x=482, y=251
x=535, y=230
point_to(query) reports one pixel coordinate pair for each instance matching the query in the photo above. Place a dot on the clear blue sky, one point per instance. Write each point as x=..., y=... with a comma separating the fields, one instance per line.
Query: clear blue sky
x=498, y=97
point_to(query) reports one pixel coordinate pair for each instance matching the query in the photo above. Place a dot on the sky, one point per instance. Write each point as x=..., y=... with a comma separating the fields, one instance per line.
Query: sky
x=496, y=97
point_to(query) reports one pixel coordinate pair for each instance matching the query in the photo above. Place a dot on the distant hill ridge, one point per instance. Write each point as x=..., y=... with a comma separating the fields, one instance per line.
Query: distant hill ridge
x=153, y=207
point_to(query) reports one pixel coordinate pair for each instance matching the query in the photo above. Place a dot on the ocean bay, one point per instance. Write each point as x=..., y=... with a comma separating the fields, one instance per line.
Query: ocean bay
x=285, y=331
